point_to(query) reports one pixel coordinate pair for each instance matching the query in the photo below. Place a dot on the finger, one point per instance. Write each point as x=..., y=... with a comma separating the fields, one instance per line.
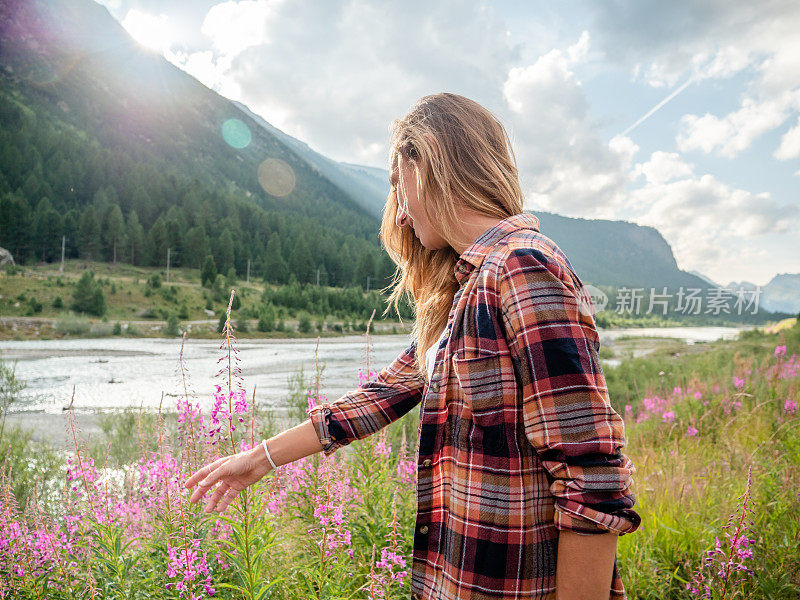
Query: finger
x=203, y=486
x=216, y=496
x=204, y=472
x=229, y=497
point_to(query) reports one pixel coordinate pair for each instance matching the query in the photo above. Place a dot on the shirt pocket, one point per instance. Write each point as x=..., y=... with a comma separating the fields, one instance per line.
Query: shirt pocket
x=481, y=380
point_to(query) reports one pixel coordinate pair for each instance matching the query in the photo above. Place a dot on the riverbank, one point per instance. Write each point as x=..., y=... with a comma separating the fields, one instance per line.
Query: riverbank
x=44, y=328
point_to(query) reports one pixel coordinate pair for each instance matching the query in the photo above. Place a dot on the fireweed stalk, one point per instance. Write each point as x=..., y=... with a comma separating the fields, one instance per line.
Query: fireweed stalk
x=252, y=530
x=172, y=571
x=721, y=568
x=190, y=418
x=84, y=478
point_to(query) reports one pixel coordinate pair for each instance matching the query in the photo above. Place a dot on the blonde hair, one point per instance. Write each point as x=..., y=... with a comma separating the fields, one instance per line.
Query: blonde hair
x=462, y=156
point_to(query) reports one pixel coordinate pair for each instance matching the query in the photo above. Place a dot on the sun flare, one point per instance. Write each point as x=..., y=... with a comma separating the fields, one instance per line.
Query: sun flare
x=149, y=30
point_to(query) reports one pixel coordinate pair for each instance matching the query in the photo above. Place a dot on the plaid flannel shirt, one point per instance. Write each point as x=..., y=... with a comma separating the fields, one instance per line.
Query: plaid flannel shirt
x=517, y=438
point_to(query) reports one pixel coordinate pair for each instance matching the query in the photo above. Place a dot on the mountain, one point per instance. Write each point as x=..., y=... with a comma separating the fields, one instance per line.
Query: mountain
x=708, y=280
x=368, y=186
x=617, y=253
x=781, y=294
x=98, y=130
x=73, y=54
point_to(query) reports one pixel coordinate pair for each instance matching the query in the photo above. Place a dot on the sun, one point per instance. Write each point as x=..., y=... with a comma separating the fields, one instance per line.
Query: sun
x=149, y=30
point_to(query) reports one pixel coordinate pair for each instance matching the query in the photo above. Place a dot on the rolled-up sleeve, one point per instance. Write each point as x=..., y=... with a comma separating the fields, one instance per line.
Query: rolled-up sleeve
x=567, y=414
x=358, y=414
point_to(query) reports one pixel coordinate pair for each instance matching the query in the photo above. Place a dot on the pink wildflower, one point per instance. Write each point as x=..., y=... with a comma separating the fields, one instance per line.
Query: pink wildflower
x=691, y=431
x=383, y=448
x=780, y=351
x=406, y=470
x=189, y=565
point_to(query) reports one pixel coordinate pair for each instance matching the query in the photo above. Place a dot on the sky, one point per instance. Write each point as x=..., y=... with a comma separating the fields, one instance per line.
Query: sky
x=682, y=115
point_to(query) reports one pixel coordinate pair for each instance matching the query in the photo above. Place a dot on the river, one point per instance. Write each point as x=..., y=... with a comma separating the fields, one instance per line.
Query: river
x=112, y=373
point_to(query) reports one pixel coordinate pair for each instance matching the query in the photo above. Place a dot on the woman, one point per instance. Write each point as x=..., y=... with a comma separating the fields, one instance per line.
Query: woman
x=522, y=488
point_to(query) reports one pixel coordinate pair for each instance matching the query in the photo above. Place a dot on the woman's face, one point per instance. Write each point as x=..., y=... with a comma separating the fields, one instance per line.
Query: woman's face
x=409, y=212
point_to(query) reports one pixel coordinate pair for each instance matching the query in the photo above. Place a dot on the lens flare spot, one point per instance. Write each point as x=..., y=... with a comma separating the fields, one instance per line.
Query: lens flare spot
x=276, y=177
x=236, y=134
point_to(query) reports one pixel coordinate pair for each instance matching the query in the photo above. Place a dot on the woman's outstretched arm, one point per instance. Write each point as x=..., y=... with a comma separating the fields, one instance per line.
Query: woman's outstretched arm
x=238, y=471
x=331, y=425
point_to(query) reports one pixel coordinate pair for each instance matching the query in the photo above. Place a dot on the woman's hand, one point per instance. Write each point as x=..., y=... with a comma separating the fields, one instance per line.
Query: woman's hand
x=234, y=473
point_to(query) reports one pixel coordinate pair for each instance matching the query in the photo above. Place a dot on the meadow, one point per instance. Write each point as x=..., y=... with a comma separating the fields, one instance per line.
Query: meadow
x=713, y=433
x=38, y=302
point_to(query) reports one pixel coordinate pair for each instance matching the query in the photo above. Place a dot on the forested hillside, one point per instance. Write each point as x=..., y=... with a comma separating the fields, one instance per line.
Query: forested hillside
x=113, y=147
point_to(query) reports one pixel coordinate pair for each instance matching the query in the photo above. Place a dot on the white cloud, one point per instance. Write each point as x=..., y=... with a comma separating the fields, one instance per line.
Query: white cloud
x=208, y=69
x=663, y=41
x=625, y=148
x=790, y=144
x=234, y=26
x=710, y=225
x=662, y=168
x=565, y=165
x=733, y=133
x=336, y=74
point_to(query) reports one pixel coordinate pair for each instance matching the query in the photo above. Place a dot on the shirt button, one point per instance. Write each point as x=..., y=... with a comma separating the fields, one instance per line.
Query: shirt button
x=423, y=530
x=462, y=268
x=427, y=462
x=435, y=386
x=415, y=596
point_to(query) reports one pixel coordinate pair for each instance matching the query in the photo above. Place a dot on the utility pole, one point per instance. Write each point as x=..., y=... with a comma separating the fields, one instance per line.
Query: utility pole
x=248, y=271
x=317, y=276
x=63, y=240
x=168, y=249
x=367, y=283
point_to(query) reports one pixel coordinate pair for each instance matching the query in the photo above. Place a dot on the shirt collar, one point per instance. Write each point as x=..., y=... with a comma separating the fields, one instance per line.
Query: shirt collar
x=473, y=256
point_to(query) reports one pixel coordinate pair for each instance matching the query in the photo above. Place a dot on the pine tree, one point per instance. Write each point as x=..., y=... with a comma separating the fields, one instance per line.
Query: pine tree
x=208, y=274
x=89, y=234
x=71, y=232
x=88, y=296
x=136, y=240
x=15, y=219
x=266, y=317
x=157, y=241
x=275, y=270
x=224, y=251
x=195, y=247
x=113, y=230
x=300, y=262
x=366, y=268
x=47, y=227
